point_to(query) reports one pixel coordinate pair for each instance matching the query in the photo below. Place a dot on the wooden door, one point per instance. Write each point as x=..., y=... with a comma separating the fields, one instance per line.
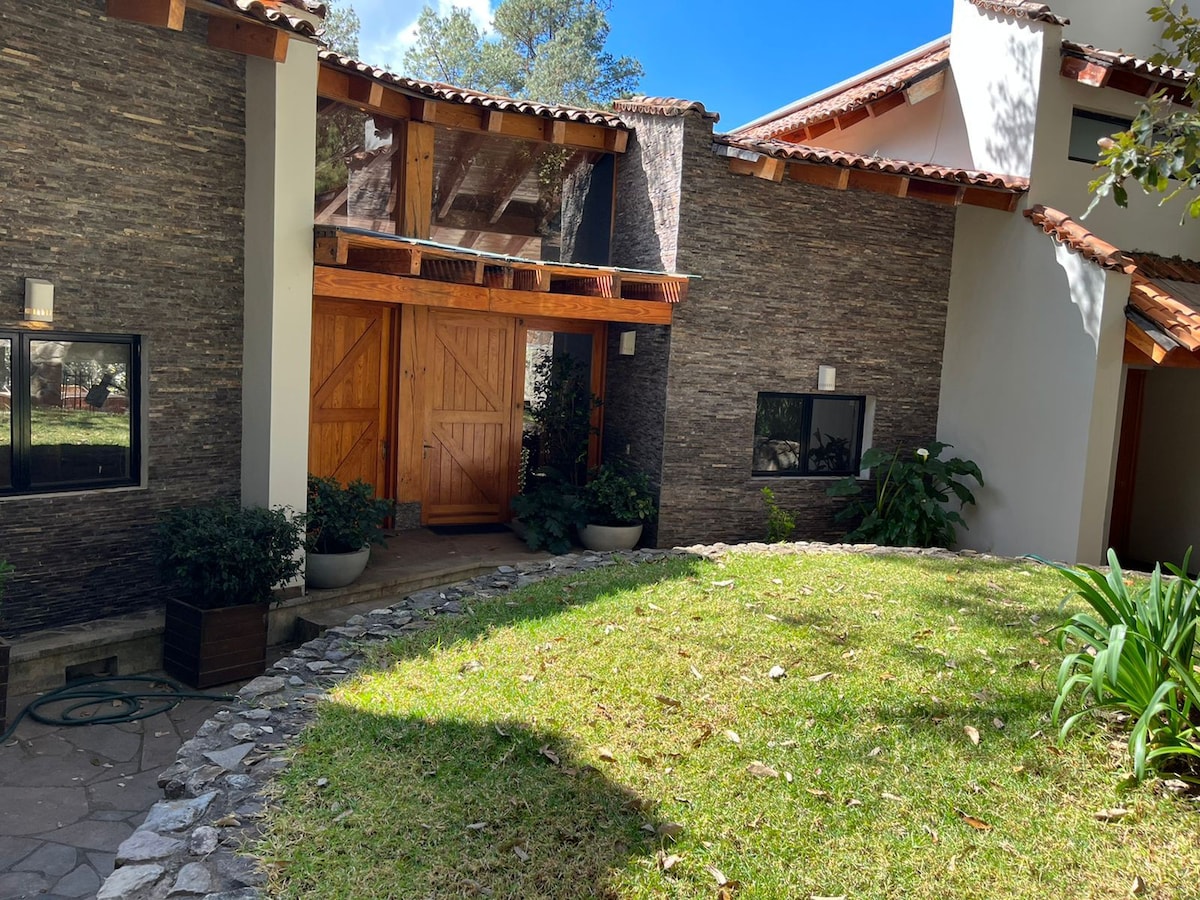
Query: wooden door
x=470, y=415
x=350, y=388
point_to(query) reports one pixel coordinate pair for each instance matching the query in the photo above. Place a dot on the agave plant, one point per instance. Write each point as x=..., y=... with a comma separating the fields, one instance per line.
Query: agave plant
x=1135, y=655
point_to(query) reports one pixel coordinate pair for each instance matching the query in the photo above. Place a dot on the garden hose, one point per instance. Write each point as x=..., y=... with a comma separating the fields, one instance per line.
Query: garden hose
x=86, y=702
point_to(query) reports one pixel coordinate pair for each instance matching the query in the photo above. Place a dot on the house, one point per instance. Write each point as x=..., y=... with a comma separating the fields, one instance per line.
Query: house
x=892, y=260
x=1064, y=364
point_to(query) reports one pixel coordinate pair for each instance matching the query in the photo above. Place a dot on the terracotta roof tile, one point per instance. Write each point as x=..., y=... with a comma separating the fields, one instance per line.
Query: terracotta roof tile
x=820, y=155
x=855, y=96
x=1161, y=293
x=316, y=7
x=1067, y=231
x=1022, y=9
x=1118, y=60
x=664, y=106
x=271, y=13
x=452, y=94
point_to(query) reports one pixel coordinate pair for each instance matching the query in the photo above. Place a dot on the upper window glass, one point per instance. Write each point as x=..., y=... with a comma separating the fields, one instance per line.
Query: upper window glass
x=808, y=434
x=1087, y=129
x=74, y=424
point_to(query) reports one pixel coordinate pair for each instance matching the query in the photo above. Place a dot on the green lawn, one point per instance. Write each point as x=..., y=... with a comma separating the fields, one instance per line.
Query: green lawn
x=52, y=426
x=618, y=735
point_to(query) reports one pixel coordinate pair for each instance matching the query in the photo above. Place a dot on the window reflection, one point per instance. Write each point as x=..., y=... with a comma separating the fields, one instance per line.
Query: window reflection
x=6, y=431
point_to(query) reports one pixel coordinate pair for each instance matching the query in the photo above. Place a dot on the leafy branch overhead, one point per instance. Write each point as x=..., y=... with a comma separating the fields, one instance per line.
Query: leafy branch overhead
x=553, y=51
x=1161, y=149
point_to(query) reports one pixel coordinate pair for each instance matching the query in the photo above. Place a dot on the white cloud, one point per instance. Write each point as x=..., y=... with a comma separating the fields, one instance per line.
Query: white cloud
x=389, y=48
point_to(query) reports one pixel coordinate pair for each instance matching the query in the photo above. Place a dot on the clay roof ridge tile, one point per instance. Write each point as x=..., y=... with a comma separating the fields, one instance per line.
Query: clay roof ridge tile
x=1067, y=231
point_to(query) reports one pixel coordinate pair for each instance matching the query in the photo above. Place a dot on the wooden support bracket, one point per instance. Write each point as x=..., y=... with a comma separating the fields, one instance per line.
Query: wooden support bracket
x=159, y=13
x=248, y=38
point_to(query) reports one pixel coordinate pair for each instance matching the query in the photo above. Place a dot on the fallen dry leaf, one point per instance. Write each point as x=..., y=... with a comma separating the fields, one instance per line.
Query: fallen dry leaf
x=972, y=734
x=667, y=701
x=728, y=582
x=875, y=751
x=522, y=855
x=477, y=826
x=998, y=723
x=761, y=770
x=853, y=801
x=733, y=736
x=1112, y=814
x=472, y=665
x=695, y=673
x=1138, y=886
x=776, y=673
x=606, y=755
x=889, y=796
x=228, y=822
x=976, y=823
x=816, y=679
x=717, y=874
x=670, y=830
x=549, y=754
x=666, y=862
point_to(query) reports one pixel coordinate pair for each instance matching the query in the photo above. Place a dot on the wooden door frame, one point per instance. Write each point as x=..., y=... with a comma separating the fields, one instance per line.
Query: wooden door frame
x=1124, y=477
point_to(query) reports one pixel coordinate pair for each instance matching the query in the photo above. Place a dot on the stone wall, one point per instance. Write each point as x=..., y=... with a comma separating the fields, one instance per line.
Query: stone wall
x=122, y=181
x=792, y=277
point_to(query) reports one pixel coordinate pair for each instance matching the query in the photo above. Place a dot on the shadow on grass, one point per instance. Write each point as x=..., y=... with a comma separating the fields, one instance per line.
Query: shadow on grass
x=544, y=599
x=418, y=807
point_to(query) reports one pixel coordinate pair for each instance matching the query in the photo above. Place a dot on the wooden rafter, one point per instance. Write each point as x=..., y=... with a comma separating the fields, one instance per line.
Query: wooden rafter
x=388, y=255
x=843, y=178
x=391, y=101
x=520, y=164
x=159, y=13
x=248, y=38
x=1097, y=74
x=456, y=173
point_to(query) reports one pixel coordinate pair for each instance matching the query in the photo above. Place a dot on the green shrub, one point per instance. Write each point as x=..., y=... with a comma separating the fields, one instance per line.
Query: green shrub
x=780, y=523
x=908, y=508
x=1136, y=652
x=618, y=495
x=224, y=554
x=343, y=519
x=550, y=510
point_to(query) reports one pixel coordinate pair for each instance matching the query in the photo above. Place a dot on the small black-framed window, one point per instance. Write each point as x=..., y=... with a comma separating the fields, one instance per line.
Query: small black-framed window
x=1087, y=128
x=808, y=434
x=70, y=411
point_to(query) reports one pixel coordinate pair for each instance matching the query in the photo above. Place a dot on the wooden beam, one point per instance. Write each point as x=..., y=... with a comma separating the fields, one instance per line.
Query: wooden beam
x=415, y=198
x=555, y=131
x=365, y=93
x=470, y=239
x=770, y=168
x=1145, y=344
x=159, y=13
x=852, y=117
x=347, y=284
x=352, y=90
x=990, y=199
x=248, y=38
x=493, y=121
x=925, y=88
x=520, y=164
x=331, y=251
x=821, y=176
x=456, y=173
x=886, y=103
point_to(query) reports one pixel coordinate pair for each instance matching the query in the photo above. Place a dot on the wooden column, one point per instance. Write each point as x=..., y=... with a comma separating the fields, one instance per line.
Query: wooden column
x=414, y=188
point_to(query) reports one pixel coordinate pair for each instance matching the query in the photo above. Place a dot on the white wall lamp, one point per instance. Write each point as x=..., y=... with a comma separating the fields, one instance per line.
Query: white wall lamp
x=826, y=378
x=39, y=300
x=628, y=339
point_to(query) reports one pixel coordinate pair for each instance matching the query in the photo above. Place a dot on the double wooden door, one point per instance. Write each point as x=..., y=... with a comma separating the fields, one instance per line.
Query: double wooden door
x=443, y=387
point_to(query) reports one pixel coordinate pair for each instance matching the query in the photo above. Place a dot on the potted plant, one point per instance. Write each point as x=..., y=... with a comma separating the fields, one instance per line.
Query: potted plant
x=618, y=502
x=5, y=649
x=342, y=523
x=225, y=560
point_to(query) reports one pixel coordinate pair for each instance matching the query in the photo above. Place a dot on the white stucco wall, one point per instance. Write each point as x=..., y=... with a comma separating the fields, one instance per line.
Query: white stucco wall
x=1030, y=382
x=280, y=154
x=1167, y=484
x=1110, y=24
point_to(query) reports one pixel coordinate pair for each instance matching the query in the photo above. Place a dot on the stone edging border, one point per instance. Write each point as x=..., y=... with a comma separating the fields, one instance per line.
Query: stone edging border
x=187, y=845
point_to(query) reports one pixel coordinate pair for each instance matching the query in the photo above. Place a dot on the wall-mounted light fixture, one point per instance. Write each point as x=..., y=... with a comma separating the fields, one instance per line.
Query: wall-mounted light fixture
x=826, y=378
x=628, y=339
x=39, y=300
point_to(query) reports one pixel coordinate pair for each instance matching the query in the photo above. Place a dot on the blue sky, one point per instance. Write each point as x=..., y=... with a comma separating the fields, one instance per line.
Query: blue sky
x=741, y=59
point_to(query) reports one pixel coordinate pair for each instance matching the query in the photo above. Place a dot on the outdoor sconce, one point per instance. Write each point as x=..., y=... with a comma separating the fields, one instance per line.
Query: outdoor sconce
x=39, y=300
x=627, y=342
x=826, y=378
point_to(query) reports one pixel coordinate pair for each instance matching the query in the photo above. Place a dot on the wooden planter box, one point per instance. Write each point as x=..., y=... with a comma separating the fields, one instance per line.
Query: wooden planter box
x=5, y=650
x=206, y=647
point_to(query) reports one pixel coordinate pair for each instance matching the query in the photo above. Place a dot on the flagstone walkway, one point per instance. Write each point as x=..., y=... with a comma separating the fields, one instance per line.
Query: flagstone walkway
x=70, y=796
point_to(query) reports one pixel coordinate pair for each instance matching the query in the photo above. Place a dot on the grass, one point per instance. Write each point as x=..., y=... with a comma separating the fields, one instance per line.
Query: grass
x=578, y=736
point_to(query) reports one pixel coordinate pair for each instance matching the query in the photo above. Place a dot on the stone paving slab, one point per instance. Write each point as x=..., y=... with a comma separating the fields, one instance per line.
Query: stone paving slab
x=69, y=796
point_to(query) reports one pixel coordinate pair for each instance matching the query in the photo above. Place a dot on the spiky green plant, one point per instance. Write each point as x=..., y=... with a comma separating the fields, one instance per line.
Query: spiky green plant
x=1136, y=651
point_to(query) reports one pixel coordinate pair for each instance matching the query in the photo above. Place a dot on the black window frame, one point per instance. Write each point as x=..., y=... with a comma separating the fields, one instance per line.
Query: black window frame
x=21, y=411
x=1120, y=123
x=806, y=431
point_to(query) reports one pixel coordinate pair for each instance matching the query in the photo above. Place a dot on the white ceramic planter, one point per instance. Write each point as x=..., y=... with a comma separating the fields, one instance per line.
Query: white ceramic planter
x=610, y=537
x=334, y=570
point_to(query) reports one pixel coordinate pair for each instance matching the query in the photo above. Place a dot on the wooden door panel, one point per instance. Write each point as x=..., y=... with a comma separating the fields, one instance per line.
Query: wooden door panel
x=349, y=387
x=469, y=417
